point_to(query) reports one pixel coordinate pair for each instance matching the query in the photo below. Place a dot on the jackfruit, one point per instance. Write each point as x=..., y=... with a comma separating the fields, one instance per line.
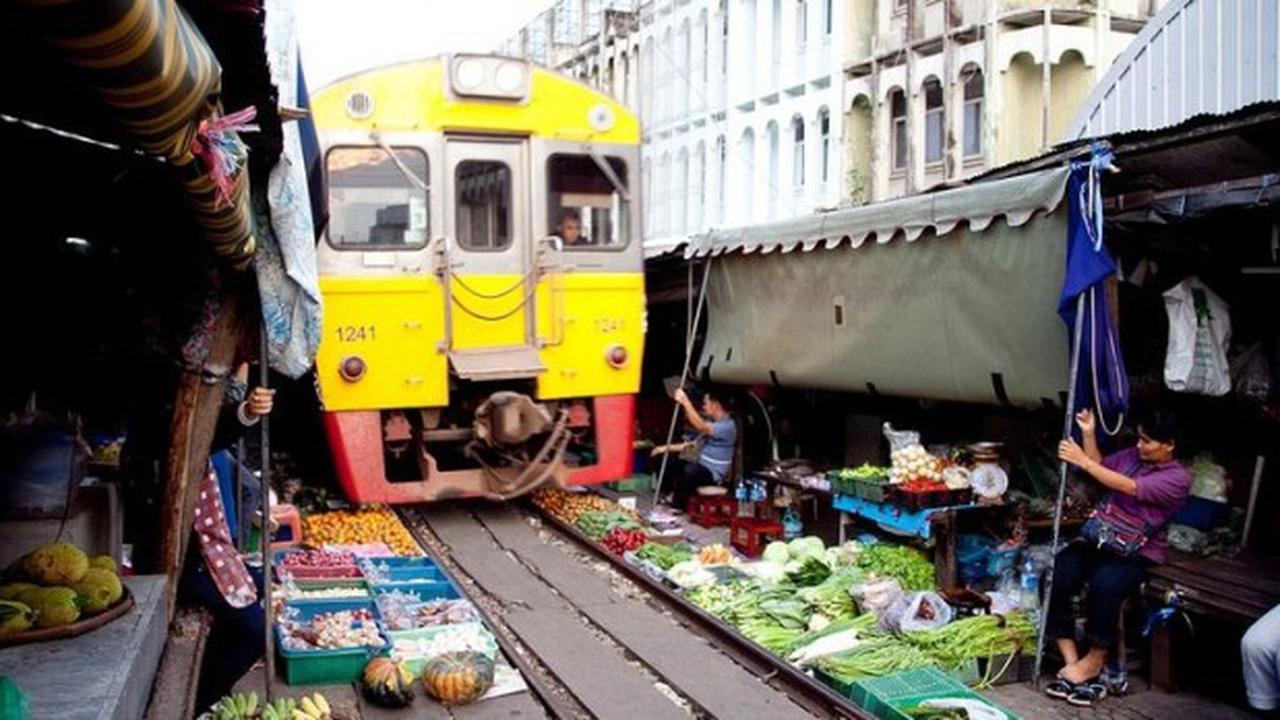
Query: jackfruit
x=99, y=590
x=14, y=617
x=104, y=562
x=56, y=564
x=10, y=591
x=53, y=606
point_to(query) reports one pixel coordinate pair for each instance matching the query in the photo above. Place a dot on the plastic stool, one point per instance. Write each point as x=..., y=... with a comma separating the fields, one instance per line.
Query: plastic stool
x=749, y=535
x=287, y=517
x=712, y=510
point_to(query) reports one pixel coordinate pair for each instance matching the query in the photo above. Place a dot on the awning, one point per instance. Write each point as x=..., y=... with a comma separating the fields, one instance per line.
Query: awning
x=967, y=312
x=976, y=206
x=159, y=81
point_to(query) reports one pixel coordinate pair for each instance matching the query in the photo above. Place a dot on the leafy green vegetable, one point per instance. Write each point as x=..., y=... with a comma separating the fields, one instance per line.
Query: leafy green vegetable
x=595, y=524
x=807, y=546
x=776, y=552
x=811, y=571
x=905, y=564
x=664, y=556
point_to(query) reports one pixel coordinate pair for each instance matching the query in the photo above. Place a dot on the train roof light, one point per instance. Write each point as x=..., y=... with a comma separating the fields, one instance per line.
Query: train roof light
x=489, y=76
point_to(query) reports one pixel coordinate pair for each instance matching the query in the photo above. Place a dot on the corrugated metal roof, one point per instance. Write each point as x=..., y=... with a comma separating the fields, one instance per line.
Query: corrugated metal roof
x=1195, y=57
x=1016, y=199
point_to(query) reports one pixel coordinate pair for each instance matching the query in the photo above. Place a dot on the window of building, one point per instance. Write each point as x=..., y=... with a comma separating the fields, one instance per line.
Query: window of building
x=898, y=122
x=680, y=193
x=974, y=89
x=774, y=182
x=483, y=204
x=699, y=197
x=802, y=23
x=826, y=17
x=724, y=38
x=934, y=121
x=704, y=32
x=824, y=138
x=797, y=151
x=722, y=163
x=375, y=201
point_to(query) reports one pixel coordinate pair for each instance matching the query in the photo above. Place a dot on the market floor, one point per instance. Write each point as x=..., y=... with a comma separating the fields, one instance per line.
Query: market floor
x=1140, y=704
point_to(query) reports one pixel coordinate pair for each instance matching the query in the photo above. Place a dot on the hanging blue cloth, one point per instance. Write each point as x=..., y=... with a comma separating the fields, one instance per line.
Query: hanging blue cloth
x=1101, y=382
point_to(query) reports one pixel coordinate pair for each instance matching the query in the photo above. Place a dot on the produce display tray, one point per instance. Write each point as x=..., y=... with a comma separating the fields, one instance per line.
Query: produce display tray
x=430, y=590
x=331, y=572
x=873, y=489
x=416, y=664
x=330, y=584
x=917, y=501
x=326, y=667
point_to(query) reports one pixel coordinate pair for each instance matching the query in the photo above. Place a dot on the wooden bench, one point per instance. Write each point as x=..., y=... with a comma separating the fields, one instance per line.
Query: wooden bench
x=1238, y=590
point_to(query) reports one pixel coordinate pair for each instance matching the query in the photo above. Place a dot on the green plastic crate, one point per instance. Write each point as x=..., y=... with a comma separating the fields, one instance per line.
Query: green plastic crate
x=415, y=665
x=886, y=697
x=635, y=483
x=325, y=667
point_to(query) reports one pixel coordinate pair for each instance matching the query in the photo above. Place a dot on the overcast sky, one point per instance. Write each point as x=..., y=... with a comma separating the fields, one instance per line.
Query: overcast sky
x=339, y=37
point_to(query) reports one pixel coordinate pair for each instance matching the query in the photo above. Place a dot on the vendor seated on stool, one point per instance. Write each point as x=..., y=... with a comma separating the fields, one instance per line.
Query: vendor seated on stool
x=1146, y=484
x=718, y=436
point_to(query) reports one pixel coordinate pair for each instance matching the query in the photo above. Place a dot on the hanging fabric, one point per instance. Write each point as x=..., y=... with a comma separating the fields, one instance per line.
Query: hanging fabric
x=1102, y=382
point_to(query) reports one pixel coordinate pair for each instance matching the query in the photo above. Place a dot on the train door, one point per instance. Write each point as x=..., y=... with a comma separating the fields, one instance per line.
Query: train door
x=488, y=265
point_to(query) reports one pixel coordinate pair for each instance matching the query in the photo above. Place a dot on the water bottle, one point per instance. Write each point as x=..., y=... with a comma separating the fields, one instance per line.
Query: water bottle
x=1029, y=585
x=743, y=496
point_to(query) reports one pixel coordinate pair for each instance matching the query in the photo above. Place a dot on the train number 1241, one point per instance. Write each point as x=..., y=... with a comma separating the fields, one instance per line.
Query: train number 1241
x=356, y=333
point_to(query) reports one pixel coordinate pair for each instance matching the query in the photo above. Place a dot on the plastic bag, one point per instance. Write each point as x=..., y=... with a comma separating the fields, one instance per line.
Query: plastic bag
x=908, y=458
x=1251, y=374
x=1208, y=479
x=876, y=596
x=1199, y=333
x=917, y=611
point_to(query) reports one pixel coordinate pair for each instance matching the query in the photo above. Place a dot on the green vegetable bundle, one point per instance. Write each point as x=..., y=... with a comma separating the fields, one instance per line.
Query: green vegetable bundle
x=664, y=556
x=874, y=658
x=905, y=564
x=595, y=524
x=811, y=571
x=832, y=598
x=981, y=636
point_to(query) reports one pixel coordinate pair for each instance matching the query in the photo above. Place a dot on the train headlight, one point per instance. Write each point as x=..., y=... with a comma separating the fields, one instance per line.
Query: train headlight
x=468, y=75
x=617, y=356
x=352, y=368
x=489, y=76
x=510, y=78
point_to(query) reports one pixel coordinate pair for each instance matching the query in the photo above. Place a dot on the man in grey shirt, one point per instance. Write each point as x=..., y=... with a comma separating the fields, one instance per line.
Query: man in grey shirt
x=719, y=436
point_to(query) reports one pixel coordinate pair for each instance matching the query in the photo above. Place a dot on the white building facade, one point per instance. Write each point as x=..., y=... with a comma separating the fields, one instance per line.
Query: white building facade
x=740, y=100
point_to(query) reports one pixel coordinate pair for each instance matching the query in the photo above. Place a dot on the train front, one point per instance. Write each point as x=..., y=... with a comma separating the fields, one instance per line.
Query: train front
x=483, y=280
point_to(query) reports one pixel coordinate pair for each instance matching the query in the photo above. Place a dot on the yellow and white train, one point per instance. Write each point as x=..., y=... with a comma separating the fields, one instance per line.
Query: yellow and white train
x=482, y=277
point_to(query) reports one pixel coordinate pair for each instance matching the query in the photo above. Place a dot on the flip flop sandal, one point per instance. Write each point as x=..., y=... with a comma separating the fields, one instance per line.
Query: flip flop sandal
x=1087, y=694
x=1059, y=689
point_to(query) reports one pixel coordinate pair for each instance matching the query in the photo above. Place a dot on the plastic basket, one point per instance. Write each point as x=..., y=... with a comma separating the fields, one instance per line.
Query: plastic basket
x=423, y=589
x=875, y=489
x=886, y=697
x=326, y=667
x=311, y=573
x=416, y=664
x=397, y=561
x=1203, y=514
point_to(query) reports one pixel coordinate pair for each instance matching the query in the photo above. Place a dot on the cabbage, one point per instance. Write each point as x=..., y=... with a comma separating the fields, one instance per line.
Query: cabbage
x=777, y=552
x=766, y=571
x=807, y=546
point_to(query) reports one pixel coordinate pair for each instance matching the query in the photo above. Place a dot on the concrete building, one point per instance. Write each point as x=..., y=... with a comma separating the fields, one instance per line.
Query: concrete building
x=937, y=90
x=740, y=100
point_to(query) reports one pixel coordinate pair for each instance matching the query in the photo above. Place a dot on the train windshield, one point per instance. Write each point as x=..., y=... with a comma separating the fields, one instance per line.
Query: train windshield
x=376, y=200
x=588, y=209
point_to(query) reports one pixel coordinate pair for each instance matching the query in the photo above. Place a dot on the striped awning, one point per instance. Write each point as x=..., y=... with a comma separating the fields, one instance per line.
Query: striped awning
x=160, y=82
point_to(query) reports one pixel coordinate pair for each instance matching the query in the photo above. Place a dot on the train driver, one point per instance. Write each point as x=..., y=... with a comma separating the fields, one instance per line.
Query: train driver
x=569, y=228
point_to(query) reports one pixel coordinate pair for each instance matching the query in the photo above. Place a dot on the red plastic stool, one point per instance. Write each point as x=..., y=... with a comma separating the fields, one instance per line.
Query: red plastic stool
x=749, y=535
x=712, y=510
x=287, y=516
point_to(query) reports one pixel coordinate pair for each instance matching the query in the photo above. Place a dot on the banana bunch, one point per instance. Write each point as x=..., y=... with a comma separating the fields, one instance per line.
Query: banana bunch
x=309, y=707
x=240, y=706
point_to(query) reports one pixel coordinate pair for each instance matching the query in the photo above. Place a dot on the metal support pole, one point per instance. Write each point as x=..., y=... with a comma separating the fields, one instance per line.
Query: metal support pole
x=269, y=655
x=238, y=502
x=1258, y=466
x=1067, y=420
x=684, y=374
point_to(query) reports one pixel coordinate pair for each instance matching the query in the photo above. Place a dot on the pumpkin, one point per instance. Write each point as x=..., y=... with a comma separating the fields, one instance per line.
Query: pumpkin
x=387, y=683
x=458, y=678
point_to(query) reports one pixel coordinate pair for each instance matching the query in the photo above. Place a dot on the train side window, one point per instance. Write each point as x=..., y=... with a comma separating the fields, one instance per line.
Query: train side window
x=484, y=205
x=377, y=201
x=588, y=209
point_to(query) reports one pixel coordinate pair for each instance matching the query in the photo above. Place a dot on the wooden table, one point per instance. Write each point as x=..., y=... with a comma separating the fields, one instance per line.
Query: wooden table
x=1236, y=589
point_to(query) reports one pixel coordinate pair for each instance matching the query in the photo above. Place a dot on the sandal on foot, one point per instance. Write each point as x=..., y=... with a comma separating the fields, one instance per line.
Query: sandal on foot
x=1059, y=689
x=1087, y=694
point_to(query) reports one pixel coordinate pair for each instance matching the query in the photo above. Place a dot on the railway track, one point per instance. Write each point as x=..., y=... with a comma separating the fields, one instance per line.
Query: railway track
x=596, y=637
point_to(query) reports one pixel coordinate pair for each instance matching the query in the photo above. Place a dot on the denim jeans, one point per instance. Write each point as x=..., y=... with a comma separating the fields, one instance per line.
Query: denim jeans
x=1110, y=578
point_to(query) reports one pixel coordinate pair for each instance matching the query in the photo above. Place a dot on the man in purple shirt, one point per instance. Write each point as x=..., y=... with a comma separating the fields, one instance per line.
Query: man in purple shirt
x=1146, y=483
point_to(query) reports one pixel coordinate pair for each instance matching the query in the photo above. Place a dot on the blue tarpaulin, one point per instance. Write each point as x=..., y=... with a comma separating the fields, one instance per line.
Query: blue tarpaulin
x=1101, y=382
